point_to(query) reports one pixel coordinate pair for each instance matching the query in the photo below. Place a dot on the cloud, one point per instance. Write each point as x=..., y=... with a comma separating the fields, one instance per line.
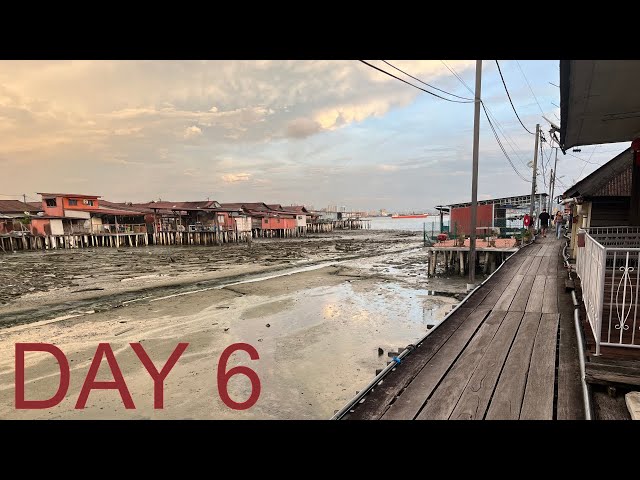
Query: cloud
x=387, y=168
x=236, y=177
x=302, y=128
x=192, y=132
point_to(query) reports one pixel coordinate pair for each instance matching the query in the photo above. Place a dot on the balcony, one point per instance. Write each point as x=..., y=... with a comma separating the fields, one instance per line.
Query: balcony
x=608, y=264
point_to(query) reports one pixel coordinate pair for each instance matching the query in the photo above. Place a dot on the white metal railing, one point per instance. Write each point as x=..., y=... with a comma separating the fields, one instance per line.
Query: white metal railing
x=624, y=236
x=610, y=279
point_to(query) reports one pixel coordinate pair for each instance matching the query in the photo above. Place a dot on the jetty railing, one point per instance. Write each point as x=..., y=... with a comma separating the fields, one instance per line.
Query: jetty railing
x=607, y=262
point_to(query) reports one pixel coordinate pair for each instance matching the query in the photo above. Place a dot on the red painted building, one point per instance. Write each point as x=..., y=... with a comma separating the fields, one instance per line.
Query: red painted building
x=460, y=218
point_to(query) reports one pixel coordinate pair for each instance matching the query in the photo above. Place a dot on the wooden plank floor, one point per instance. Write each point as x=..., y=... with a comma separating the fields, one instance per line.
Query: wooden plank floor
x=508, y=353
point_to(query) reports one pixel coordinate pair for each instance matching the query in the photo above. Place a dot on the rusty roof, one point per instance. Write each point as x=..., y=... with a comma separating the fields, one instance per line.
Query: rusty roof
x=296, y=208
x=163, y=205
x=16, y=206
x=78, y=195
x=256, y=206
x=613, y=179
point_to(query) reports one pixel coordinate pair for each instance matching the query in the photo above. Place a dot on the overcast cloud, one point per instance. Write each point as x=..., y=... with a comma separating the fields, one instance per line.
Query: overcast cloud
x=311, y=132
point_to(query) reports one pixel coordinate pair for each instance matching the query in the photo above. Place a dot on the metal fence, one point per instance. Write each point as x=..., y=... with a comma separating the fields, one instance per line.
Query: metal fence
x=608, y=267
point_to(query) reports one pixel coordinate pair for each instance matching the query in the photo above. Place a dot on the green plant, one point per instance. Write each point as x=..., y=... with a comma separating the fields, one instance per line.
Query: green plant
x=461, y=239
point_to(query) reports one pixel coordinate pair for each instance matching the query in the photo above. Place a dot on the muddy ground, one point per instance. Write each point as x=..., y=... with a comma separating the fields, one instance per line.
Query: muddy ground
x=317, y=310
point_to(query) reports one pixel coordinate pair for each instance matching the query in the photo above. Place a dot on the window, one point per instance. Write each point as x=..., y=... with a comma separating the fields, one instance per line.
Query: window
x=51, y=202
x=266, y=220
x=88, y=202
x=73, y=202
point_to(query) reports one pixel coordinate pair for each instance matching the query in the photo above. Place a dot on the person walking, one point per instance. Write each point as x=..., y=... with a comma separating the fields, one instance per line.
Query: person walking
x=559, y=222
x=544, y=222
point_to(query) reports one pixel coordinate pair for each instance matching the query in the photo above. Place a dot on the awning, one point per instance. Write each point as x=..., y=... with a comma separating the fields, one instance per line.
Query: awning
x=599, y=102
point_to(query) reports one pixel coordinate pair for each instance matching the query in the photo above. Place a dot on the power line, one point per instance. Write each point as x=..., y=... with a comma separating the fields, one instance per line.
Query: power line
x=495, y=134
x=531, y=89
x=583, y=160
x=506, y=136
x=512, y=106
x=457, y=76
x=427, y=84
x=415, y=86
x=588, y=161
x=487, y=109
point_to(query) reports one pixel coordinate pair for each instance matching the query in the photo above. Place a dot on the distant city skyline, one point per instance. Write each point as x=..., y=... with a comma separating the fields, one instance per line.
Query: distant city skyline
x=289, y=132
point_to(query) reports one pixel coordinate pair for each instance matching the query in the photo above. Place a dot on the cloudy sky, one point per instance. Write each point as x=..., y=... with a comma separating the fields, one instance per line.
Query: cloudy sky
x=302, y=132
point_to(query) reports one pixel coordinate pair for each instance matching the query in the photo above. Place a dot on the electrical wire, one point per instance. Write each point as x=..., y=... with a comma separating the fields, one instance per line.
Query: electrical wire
x=495, y=134
x=495, y=120
x=457, y=76
x=531, y=89
x=415, y=86
x=510, y=101
x=427, y=84
x=506, y=136
x=588, y=161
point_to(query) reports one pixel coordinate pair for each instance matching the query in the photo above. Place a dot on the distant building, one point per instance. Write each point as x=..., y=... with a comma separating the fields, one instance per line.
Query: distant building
x=505, y=212
x=12, y=213
x=67, y=213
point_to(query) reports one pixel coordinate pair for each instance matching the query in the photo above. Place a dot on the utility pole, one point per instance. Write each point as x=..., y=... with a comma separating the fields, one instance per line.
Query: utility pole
x=474, y=176
x=553, y=180
x=533, y=181
x=24, y=198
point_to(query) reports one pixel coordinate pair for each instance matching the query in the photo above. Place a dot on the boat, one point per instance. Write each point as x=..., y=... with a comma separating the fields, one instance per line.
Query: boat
x=413, y=215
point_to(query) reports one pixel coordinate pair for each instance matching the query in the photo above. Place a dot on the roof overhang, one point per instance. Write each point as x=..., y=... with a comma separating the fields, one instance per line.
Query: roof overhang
x=599, y=102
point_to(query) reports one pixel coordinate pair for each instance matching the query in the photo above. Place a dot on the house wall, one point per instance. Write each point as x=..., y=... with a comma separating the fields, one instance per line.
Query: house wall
x=56, y=226
x=40, y=226
x=243, y=224
x=609, y=211
x=82, y=203
x=460, y=218
x=62, y=206
x=301, y=220
x=57, y=211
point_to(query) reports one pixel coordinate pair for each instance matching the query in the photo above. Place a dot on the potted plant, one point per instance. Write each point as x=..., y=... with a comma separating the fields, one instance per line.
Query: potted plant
x=461, y=239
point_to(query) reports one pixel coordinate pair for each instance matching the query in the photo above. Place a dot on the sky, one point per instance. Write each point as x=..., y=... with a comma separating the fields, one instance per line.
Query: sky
x=306, y=132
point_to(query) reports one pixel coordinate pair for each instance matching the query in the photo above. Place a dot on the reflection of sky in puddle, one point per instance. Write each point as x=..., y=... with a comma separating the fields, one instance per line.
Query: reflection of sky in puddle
x=384, y=306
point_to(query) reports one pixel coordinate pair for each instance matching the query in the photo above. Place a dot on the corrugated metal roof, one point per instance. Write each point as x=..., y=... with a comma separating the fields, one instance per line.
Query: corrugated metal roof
x=296, y=208
x=16, y=206
x=78, y=195
x=162, y=205
x=613, y=179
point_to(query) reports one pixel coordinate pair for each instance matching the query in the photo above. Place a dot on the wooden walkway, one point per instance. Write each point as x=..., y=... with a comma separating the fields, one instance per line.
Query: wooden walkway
x=509, y=352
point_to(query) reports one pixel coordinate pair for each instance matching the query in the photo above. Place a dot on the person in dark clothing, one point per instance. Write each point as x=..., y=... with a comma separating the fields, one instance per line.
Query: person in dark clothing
x=544, y=222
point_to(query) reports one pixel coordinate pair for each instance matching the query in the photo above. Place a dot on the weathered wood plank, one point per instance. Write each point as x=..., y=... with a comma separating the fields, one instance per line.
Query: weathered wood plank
x=569, y=404
x=521, y=298
x=537, y=295
x=544, y=265
x=538, y=396
x=377, y=402
x=535, y=264
x=446, y=395
x=409, y=403
x=611, y=374
x=507, y=399
x=543, y=250
x=526, y=264
x=477, y=394
x=550, y=298
x=509, y=293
